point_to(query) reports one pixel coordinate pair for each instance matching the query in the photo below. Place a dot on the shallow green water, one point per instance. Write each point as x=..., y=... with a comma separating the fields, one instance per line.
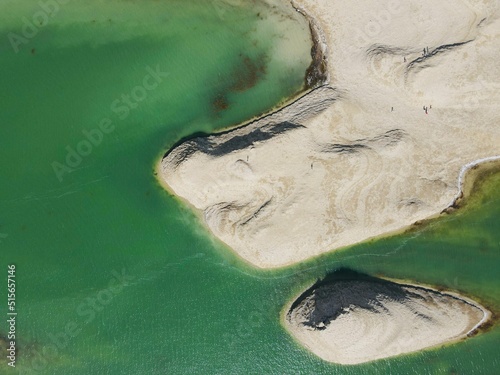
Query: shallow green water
x=187, y=305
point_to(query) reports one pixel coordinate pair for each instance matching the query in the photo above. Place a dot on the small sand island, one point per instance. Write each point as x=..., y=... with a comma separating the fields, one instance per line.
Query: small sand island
x=402, y=96
x=350, y=318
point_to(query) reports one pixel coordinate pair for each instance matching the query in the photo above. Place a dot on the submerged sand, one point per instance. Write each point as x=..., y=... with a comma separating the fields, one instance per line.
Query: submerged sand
x=352, y=318
x=359, y=156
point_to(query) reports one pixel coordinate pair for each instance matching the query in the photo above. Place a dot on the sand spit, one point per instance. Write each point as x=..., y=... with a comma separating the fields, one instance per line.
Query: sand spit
x=412, y=97
x=351, y=318
x=463, y=173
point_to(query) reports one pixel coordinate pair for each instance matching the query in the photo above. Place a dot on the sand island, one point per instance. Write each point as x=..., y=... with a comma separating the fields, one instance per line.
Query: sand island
x=403, y=95
x=350, y=318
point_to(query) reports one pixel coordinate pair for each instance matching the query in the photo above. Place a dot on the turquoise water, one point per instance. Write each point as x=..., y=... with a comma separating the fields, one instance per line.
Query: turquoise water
x=183, y=303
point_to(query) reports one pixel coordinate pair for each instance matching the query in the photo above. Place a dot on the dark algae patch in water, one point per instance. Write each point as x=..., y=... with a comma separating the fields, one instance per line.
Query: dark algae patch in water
x=248, y=72
x=242, y=77
x=220, y=103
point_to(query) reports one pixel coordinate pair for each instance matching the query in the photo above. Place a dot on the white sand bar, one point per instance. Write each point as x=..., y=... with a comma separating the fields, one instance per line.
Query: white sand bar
x=352, y=321
x=359, y=157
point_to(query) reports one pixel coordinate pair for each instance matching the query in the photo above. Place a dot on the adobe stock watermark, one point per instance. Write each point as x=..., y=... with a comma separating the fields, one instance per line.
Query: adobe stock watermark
x=30, y=28
x=482, y=94
x=121, y=108
x=454, y=283
x=86, y=313
x=221, y=6
x=262, y=311
x=246, y=327
x=380, y=20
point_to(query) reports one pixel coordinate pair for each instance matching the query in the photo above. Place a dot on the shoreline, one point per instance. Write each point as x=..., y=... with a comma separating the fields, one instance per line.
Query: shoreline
x=467, y=168
x=317, y=73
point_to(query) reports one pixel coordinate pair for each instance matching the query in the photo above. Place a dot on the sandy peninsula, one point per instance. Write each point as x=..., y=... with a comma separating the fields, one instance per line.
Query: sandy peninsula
x=350, y=318
x=404, y=96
